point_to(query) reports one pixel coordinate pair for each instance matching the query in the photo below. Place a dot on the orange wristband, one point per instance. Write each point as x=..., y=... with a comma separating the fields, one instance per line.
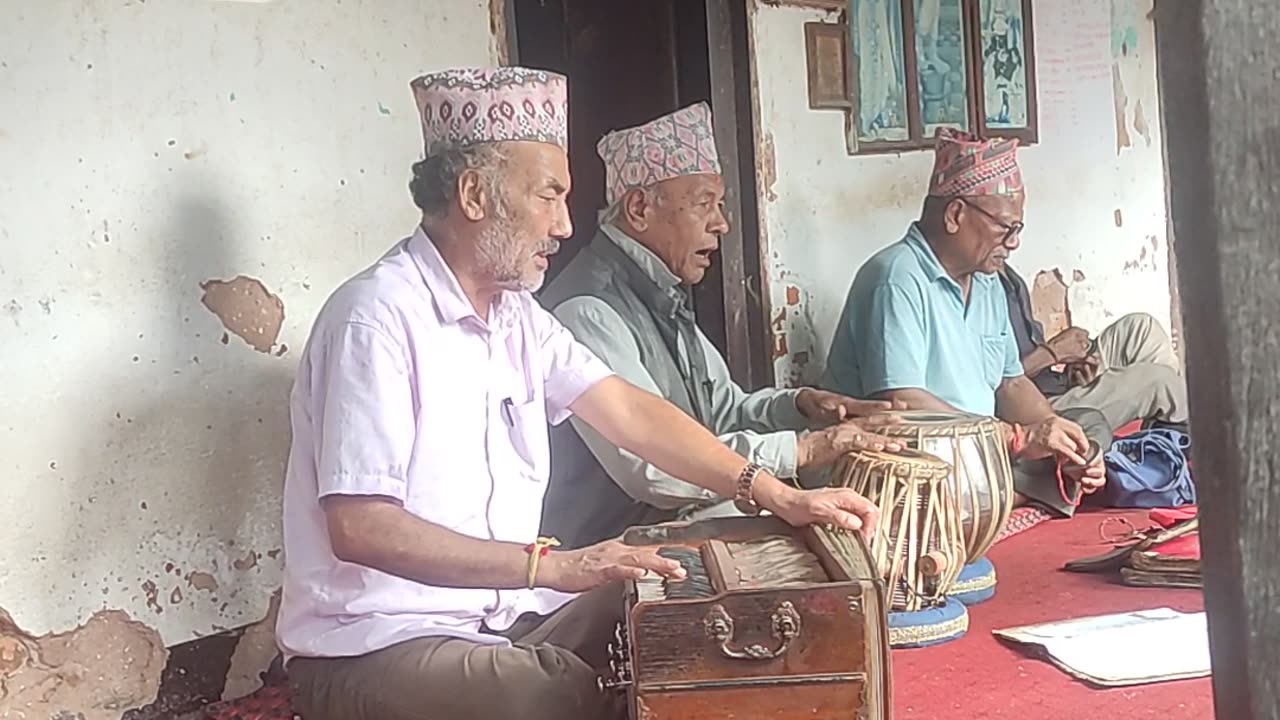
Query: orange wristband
x=536, y=550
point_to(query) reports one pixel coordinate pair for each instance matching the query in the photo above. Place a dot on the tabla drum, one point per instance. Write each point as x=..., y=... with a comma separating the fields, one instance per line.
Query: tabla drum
x=919, y=544
x=982, y=479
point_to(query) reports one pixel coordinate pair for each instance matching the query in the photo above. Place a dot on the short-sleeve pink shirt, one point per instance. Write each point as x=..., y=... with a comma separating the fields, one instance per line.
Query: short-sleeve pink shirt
x=404, y=392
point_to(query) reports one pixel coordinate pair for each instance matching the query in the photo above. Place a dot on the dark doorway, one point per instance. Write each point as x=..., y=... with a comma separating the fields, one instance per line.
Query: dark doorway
x=628, y=62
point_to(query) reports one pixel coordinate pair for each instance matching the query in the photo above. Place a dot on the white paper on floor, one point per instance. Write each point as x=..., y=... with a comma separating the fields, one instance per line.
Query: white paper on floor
x=1132, y=648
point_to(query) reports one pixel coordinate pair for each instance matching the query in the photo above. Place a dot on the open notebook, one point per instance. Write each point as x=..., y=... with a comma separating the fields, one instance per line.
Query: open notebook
x=1134, y=648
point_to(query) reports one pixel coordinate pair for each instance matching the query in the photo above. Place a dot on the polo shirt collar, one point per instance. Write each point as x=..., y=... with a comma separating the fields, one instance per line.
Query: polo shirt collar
x=930, y=262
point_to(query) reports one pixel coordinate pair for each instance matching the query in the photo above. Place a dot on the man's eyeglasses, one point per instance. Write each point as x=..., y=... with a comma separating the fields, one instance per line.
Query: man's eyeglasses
x=1011, y=230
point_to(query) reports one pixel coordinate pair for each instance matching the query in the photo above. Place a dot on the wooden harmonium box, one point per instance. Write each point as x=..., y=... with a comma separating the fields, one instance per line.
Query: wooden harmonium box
x=771, y=622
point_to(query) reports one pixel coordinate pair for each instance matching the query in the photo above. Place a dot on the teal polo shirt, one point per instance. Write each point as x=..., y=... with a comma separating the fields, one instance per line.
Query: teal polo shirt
x=905, y=324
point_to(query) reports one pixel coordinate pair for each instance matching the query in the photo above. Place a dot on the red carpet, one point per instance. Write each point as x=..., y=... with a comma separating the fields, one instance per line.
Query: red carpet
x=978, y=677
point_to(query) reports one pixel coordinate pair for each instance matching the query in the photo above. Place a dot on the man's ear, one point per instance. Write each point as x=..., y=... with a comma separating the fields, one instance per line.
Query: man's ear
x=636, y=209
x=952, y=214
x=473, y=198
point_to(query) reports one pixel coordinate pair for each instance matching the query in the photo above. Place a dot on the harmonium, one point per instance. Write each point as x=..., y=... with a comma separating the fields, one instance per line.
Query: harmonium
x=770, y=621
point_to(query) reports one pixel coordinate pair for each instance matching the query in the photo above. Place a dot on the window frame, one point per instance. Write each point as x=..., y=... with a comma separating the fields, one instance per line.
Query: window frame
x=975, y=95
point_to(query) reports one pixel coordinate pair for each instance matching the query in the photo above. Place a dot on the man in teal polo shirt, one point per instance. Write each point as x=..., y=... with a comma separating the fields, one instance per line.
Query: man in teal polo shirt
x=926, y=322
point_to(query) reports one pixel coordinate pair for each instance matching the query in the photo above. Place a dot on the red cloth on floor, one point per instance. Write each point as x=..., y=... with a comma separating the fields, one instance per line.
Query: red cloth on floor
x=1168, y=517
x=269, y=703
x=978, y=677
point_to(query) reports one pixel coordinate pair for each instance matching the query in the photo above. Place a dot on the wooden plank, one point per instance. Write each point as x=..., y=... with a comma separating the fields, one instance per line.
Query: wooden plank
x=1177, y=332
x=502, y=24
x=828, y=5
x=1218, y=61
x=731, y=87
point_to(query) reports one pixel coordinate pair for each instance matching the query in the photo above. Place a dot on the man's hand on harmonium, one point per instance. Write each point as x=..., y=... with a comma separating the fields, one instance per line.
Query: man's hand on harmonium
x=603, y=563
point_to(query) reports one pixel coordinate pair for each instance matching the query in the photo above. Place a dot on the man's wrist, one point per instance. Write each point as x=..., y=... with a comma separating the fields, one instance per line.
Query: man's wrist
x=1048, y=350
x=804, y=449
x=1039, y=359
x=772, y=494
x=802, y=399
x=550, y=569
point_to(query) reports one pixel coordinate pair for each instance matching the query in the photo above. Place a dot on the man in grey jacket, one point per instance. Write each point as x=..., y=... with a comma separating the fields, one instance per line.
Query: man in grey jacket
x=626, y=296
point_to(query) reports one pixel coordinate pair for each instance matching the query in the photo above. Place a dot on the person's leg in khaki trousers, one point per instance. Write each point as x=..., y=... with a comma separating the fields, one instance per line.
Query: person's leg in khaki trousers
x=548, y=673
x=1139, y=378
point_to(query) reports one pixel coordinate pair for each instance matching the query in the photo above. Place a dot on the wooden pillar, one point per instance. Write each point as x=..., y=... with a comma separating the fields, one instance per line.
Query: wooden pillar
x=745, y=307
x=1219, y=61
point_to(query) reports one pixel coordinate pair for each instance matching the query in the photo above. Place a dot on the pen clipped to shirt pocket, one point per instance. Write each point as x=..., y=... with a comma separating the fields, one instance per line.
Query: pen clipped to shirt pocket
x=526, y=425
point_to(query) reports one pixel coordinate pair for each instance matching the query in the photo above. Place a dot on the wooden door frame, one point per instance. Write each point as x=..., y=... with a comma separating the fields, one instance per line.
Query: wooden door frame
x=1217, y=62
x=746, y=304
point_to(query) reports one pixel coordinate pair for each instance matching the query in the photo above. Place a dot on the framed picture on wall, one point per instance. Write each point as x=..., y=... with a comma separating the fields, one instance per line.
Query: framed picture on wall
x=1006, y=72
x=881, y=112
x=915, y=66
x=941, y=64
x=824, y=50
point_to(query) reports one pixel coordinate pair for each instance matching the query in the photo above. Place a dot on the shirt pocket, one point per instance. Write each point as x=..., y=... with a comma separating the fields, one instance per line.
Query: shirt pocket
x=993, y=348
x=527, y=425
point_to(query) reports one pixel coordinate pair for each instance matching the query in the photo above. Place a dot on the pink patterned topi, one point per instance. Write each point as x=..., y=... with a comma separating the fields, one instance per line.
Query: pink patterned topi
x=965, y=165
x=681, y=143
x=467, y=106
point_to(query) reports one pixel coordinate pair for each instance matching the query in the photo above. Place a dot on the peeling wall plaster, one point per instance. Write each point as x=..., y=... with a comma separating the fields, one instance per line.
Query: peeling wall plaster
x=1092, y=214
x=94, y=672
x=189, y=172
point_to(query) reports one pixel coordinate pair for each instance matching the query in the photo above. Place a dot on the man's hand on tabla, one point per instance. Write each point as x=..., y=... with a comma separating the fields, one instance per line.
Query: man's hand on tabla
x=581, y=570
x=823, y=447
x=828, y=408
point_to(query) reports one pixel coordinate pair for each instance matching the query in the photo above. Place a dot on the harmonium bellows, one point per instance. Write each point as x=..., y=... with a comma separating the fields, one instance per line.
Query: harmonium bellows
x=771, y=622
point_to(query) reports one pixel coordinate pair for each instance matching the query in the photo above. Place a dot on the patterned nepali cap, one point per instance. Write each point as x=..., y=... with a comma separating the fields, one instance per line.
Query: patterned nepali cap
x=467, y=106
x=966, y=165
x=681, y=143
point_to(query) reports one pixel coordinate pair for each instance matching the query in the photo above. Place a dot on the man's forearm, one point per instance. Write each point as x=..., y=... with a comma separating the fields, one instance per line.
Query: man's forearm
x=917, y=399
x=666, y=437
x=384, y=536
x=1019, y=401
x=1037, y=361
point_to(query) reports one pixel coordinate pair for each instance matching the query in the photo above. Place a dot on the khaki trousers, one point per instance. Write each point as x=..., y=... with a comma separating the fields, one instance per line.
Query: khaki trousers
x=549, y=673
x=1140, y=377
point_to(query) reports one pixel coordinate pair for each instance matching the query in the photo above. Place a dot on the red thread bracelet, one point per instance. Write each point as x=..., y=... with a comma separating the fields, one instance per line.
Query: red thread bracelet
x=1062, y=489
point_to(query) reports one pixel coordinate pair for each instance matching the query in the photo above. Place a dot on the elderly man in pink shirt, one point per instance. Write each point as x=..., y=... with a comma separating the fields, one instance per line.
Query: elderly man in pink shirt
x=416, y=586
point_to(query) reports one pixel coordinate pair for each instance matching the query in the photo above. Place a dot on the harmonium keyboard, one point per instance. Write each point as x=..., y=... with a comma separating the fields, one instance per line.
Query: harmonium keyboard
x=771, y=622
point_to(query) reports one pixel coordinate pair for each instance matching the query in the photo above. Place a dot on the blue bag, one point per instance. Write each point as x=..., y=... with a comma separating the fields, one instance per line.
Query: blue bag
x=1149, y=469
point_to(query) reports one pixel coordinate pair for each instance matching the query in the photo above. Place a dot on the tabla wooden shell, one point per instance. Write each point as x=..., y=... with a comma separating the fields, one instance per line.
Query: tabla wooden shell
x=919, y=544
x=982, y=479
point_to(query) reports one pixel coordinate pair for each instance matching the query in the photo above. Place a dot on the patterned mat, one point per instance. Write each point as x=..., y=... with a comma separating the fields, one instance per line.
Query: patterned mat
x=1021, y=520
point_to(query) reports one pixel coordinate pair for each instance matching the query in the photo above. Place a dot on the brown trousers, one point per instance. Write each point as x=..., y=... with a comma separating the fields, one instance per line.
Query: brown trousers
x=549, y=673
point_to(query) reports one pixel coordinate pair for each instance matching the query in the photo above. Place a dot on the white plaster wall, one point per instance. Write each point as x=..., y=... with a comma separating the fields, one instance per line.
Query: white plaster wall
x=145, y=147
x=823, y=212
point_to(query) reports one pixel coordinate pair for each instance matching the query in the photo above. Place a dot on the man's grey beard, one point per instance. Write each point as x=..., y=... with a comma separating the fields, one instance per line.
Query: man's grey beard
x=500, y=254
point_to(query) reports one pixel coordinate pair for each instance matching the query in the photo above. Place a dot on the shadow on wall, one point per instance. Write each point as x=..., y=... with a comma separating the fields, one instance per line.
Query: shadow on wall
x=175, y=515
